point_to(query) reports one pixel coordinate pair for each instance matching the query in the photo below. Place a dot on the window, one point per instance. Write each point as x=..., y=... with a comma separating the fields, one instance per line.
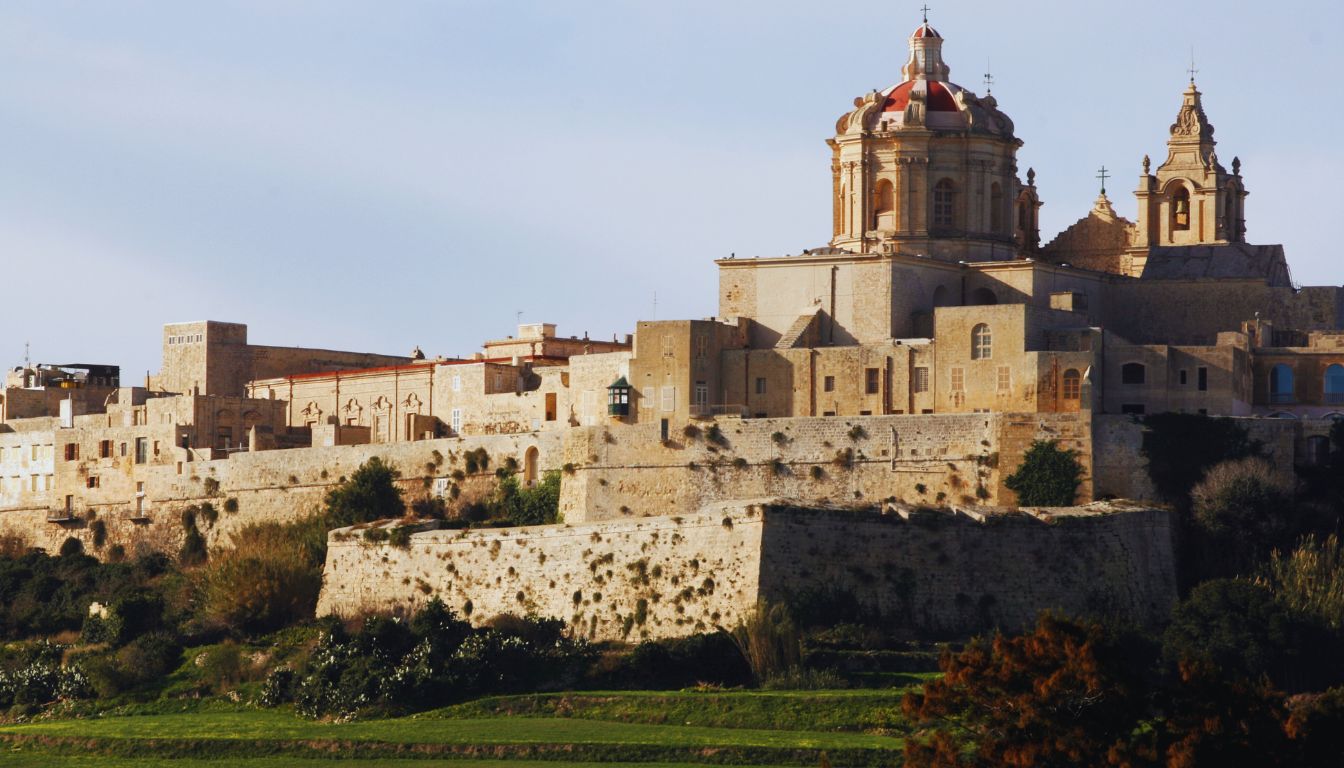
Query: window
x=982, y=343
x=141, y=450
x=1334, y=384
x=882, y=205
x=457, y=383
x=1133, y=373
x=921, y=379
x=122, y=449
x=1180, y=209
x=1181, y=377
x=701, y=347
x=104, y=449
x=1202, y=379
x=760, y=386
x=1004, y=379
x=944, y=199
x=667, y=346
x=455, y=420
x=72, y=451
x=995, y=207
x=870, y=381
x=663, y=430
x=828, y=384
x=701, y=397
x=1133, y=409
x=669, y=399
x=1073, y=384
x=958, y=380
x=91, y=482
x=550, y=406
x=1281, y=384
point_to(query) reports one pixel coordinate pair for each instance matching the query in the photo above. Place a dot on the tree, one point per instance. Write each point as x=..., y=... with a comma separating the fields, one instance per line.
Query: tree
x=369, y=494
x=1235, y=626
x=1048, y=476
x=1180, y=448
x=1065, y=694
x=1245, y=510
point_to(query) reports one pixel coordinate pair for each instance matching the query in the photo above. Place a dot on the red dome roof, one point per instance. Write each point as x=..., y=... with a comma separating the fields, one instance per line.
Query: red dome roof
x=938, y=96
x=924, y=30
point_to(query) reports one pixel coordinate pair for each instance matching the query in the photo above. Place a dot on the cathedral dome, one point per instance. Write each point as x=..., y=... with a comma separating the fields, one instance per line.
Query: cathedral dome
x=937, y=97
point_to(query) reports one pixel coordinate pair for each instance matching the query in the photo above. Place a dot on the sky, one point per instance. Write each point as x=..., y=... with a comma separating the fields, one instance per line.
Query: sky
x=375, y=176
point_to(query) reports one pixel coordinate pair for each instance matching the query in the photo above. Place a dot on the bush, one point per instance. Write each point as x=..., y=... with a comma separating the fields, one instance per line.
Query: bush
x=269, y=579
x=1246, y=511
x=1181, y=447
x=71, y=547
x=769, y=641
x=477, y=460
x=369, y=494
x=1310, y=580
x=231, y=505
x=1047, y=477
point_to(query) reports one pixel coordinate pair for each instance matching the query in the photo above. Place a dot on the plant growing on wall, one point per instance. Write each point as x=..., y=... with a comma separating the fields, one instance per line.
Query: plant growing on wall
x=1181, y=447
x=370, y=494
x=1048, y=477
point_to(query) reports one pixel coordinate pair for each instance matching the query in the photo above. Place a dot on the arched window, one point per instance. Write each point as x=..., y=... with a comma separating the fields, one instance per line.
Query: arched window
x=1334, y=384
x=1180, y=209
x=940, y=296
x=982, y=343
x=1073, y=384
x=1281, y=384
x=882, y=206
x=983, y=297
x=1133, y=373
x=530, y=466
x=995, y=207
x=944, y=204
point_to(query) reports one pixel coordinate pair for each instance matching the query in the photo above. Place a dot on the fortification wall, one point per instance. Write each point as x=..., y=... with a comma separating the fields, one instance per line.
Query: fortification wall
x=277, y=485
x=627, y=470
x=665, y=576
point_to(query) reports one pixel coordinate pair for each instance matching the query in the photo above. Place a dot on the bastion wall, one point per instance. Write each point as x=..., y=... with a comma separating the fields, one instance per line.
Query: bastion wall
x=938, y=572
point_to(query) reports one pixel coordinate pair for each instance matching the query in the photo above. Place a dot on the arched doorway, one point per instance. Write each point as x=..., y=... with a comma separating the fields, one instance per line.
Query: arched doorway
x=530, y=466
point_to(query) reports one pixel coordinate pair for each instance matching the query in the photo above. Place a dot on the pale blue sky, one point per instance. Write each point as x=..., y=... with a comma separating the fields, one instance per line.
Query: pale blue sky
x=378, y=175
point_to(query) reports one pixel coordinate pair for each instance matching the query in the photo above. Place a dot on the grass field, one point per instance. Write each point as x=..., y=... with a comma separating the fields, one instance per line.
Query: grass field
x=858, y=728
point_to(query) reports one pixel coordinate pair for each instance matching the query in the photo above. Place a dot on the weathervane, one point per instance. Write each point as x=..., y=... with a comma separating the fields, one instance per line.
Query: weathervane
x=1103, y=175
x=1192, y=69
x=989, y=79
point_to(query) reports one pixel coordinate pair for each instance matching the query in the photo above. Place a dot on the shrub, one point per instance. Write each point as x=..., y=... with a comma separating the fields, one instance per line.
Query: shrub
x=193, y=551
x=224, y=666
x=816, y=472
x=99, y=530
x=1245, y=509
x=71, y=547
x=1310, y=580
x=844, y=458
x=675, y=663
x=1180, y=448
x=231, y=505
x=477, y=460
x=779, y=438
x=690, y=431
x=400, y=537
x=715, y=435
x=1048, y=476
x=857, y=432
x=769, y=641
x=370, y=494
x=209, y=514
x=210, y=486
x=270, y=578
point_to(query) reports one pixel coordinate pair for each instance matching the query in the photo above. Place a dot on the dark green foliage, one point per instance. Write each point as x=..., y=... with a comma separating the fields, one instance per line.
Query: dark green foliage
x=399, y=537
x=436, y=658
x=513, y=504
x=44, y=595
x=1242, y=513
x=37, y=677
x=268, y=579
x=430, y=507
x=135, y=612
x=193, y=550
x=99, y=530
x=1181, y=447
x=1238, y=627
x=1048, y=476
x=370, y=494
x=676, y=663
x=231, y=505
x=71, y=547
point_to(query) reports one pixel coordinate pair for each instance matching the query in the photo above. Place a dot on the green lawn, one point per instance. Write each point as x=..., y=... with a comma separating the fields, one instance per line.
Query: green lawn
x=726, y=728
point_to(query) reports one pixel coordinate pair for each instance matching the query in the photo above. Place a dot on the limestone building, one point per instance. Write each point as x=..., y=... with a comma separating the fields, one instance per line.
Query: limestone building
x=913, y=356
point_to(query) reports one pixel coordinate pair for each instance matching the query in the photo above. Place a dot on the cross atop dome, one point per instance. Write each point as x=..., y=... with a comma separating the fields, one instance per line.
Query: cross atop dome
x=926, y=54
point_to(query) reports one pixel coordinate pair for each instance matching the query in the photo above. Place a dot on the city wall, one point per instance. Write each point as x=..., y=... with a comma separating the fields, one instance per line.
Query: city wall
x=930, y=572
x=622, y=471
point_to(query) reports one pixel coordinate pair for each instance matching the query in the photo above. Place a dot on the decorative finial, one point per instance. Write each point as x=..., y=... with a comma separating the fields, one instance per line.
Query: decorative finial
x=925, y=9
x=1103, y=175
x=1147, y=164
x=1031, y=177
x=1192, y=69
x=989, y=79
x=1236, y=166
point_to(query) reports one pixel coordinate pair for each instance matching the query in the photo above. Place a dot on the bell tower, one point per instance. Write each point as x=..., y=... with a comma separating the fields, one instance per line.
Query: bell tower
x=1192, y=199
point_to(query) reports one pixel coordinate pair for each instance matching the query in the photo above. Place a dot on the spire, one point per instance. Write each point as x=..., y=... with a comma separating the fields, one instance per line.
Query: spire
x=1191, y=122
x=926, y=54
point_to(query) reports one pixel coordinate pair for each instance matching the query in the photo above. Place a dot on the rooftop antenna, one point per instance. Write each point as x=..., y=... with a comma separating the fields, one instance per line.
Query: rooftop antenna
x=655, y=305
x=1103, y=175
x=27, y=361
x=518, y=317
